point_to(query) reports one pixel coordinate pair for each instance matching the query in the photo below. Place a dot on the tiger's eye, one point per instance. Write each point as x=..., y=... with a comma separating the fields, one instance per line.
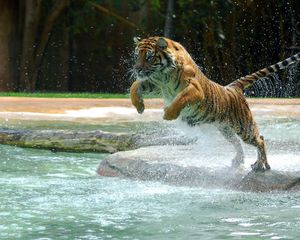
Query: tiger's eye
x=150, y=55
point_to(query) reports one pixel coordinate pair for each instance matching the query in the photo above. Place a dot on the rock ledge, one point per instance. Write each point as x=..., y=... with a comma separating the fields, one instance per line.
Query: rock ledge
x=140, y=164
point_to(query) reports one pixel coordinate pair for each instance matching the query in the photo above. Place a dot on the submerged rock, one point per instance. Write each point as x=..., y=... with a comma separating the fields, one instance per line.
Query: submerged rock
x=178, y=167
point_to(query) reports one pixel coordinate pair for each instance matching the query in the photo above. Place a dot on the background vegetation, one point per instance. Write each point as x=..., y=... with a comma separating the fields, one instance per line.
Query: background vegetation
x=86, y=46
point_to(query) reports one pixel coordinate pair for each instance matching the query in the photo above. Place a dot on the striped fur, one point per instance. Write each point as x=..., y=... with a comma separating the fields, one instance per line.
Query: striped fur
x=166, y=66
x=249, y=80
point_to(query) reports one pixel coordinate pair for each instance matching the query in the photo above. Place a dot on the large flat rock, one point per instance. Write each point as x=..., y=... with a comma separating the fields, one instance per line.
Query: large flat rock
x=186, y=166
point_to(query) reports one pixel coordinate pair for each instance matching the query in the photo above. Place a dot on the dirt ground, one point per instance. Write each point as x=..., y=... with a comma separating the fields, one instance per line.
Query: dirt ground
x=59, y=105
x=285, y=107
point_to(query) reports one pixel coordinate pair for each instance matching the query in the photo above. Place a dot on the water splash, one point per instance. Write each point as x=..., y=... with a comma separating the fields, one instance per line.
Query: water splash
x=277, y=85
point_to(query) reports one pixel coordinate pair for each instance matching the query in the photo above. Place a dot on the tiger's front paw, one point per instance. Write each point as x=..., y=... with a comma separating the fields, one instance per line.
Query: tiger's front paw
x=169, y=114
x=138, y=103
x=140, y=107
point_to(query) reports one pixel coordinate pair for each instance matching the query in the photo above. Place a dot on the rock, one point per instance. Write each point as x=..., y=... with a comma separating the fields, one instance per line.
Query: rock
x=85, y=141
x=177, y=162
x=269, y=181
x=70, y=141
x=179, y=168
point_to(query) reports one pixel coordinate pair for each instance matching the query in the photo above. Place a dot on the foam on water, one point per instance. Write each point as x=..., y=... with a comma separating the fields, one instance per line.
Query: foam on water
x=106, y=112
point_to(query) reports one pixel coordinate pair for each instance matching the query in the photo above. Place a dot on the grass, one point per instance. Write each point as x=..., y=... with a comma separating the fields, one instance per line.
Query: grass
x=64, y=95
x=67, y=95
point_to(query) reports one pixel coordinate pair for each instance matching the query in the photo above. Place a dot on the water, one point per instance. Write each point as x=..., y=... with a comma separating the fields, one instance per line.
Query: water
x=46, y=195
x=58, y=196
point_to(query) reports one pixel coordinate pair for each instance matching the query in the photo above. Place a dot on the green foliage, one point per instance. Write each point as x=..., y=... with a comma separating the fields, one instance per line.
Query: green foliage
x=90, y=48
x=155, y=4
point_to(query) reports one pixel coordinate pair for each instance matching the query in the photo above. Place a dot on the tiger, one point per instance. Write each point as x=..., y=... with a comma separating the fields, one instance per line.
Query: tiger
x=165, y=65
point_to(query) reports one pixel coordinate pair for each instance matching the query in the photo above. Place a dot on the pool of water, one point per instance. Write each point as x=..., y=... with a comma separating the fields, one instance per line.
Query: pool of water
x=46, y=195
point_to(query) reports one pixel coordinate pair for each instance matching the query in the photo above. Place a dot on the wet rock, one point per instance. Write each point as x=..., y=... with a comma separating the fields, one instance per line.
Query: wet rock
x=71, y=141
x=269, y=181
x=177, y=168
x=84, y=141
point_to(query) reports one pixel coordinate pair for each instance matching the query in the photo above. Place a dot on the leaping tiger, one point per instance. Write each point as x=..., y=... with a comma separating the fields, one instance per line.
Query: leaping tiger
x=188, y=93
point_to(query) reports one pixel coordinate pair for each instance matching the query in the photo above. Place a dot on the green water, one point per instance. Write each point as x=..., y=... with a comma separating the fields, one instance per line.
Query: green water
x=47, y=195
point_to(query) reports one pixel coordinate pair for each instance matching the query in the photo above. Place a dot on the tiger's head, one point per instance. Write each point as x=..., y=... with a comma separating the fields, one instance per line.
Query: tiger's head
x=152, y=57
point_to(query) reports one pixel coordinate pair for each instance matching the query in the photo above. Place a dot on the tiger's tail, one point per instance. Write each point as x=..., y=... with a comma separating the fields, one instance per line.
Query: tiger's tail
x=248, y=80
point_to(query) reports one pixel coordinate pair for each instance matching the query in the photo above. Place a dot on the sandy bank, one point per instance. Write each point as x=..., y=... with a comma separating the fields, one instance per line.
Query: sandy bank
x=18, y=107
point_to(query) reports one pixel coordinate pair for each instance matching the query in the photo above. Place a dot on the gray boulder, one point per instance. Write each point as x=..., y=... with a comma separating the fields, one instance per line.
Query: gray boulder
x=178, y=167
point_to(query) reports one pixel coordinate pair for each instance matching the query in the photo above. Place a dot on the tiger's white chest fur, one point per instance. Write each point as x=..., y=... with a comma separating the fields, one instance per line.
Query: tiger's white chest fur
x=165, y=83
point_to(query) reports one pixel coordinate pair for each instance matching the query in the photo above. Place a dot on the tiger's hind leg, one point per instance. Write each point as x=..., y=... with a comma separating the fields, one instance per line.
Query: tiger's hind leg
x=261, y=164
x=230, y=135
x=255, y=139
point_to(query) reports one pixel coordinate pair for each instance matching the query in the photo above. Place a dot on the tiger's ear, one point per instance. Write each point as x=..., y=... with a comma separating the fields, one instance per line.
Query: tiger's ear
x=161, y=43
x=137, y=40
